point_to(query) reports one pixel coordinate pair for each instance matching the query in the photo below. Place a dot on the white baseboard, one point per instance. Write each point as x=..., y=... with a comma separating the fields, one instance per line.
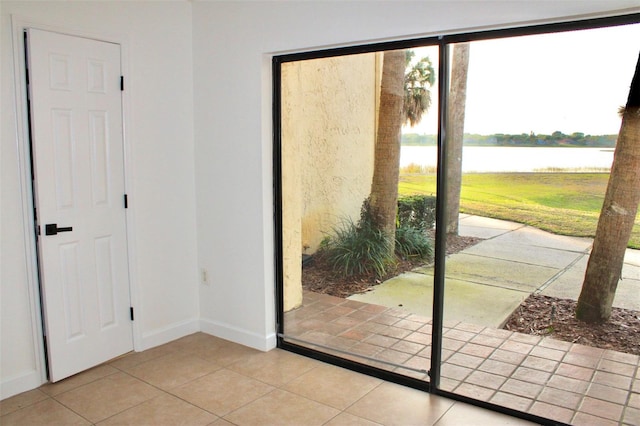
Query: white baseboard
x=237, y=335
x=21, y=383
x=167, y=334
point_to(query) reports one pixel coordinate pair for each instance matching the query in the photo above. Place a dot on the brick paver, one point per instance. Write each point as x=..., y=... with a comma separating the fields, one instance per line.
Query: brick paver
x=562, y=381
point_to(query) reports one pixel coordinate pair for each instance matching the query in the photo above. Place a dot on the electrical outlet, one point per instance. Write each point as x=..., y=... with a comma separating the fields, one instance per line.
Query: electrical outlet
x=204, y=276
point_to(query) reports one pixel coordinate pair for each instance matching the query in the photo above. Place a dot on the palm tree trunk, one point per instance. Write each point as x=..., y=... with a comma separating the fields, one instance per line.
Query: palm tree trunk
x=455, y=132
x=384, y=186
x=616, y=218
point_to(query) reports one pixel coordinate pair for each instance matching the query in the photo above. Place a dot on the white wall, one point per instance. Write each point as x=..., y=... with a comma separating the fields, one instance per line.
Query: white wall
x=159, y=90
x=209, y=61
x=233, y=42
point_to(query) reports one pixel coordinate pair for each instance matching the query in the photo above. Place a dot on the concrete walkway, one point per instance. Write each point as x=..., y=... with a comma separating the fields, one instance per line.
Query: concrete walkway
x=485, y=283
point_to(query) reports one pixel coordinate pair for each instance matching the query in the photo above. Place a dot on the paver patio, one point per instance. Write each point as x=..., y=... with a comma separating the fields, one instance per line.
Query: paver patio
x=563, y=381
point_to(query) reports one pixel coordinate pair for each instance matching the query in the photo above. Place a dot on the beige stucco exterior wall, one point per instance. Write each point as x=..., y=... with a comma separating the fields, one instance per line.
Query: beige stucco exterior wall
x=328, y=133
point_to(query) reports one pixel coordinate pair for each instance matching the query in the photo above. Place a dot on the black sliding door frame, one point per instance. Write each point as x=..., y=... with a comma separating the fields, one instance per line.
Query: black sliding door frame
x=444, y=43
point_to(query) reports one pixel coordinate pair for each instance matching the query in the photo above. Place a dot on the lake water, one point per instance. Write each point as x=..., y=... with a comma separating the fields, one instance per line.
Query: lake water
x=511, y=159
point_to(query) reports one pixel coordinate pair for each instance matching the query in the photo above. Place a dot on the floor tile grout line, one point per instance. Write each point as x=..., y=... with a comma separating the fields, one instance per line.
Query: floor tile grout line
x=56, y=396
x=3, y=414
x=279, y=388
x=168, y=391
x=135, y=405
x=275, y=388
x=435, y=423
x=358, y=400
x=73, y=411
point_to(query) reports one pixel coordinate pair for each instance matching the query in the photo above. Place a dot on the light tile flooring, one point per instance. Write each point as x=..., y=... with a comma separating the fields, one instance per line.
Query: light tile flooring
x=566, y=382
x=203, y=380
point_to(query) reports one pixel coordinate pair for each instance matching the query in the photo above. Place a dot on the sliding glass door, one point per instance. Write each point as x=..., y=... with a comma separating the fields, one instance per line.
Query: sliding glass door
x=436, y=206
x=354, y=264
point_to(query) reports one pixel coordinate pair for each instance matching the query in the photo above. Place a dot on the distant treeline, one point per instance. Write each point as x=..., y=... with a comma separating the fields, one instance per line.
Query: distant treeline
x=500, y=139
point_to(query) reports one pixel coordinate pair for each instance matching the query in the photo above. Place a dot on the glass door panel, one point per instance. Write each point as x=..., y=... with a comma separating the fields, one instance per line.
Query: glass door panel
x=346, y=290
x=540, y=127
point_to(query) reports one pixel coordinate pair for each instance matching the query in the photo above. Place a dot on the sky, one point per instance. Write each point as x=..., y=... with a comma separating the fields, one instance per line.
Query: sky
x=568, y=82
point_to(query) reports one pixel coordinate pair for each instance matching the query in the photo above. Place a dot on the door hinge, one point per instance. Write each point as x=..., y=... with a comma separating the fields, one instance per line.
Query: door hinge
x=131, y=312
x=126, y=201
x=122, y=83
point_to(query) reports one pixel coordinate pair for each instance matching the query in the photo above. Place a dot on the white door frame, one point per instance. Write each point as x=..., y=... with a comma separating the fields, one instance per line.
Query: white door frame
x=18, y=25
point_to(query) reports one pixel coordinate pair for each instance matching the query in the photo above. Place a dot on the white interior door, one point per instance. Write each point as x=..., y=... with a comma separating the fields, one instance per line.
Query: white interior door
x=77, y=136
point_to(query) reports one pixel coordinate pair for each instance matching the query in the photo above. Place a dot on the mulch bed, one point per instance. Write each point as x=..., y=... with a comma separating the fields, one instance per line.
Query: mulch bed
x=320, y=278
x=537, y=315
x=550, y=316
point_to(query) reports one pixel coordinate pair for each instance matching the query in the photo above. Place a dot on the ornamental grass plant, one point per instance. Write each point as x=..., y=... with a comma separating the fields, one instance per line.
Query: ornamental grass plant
x=362, y=248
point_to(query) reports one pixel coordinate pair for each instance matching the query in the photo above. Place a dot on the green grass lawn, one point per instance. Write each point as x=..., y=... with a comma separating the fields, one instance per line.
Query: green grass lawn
x=562, y=203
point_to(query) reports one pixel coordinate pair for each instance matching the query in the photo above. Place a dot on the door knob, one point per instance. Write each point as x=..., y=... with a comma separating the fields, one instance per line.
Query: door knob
x=52, y=229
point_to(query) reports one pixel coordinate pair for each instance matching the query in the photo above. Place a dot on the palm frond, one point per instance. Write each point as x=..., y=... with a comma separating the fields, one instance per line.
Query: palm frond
x=419, y=78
